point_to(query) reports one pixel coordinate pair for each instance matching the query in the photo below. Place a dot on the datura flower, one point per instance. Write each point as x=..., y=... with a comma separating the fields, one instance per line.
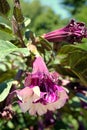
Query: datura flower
x=73, y=32
x=41, y=92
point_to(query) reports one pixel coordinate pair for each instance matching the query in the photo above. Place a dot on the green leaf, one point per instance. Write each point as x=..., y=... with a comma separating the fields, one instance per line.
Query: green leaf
x=4, y=7
x=76, y=60
x=5, y=28
x=64, y=71
x=5, y=89
x=17, y=12
x=23, y=51
x=67, y=49
x=27, y=21
x=82, y=46
x=45, y=43
x=6, y=75
x=7, y=47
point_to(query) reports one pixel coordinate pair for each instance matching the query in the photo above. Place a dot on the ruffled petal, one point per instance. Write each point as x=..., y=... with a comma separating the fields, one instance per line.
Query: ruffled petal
x=24, y=94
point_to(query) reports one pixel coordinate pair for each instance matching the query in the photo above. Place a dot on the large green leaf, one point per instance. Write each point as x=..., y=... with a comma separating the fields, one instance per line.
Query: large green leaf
x=5, y=89
x=23, y=51
x=7, y=47
x=76, y=60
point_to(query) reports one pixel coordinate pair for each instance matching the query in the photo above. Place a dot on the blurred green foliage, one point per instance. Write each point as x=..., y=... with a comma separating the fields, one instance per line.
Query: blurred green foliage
x=74, y=6
x=43, y=17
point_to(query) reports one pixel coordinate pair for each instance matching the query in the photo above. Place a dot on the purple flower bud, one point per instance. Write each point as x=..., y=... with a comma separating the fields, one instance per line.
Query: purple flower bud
x=49, y=119
x=73, y=32
x=41, y=92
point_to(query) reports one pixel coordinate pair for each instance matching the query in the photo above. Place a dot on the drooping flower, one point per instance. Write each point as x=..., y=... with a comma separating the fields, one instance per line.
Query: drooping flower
x=73, y=32
x=41, y=92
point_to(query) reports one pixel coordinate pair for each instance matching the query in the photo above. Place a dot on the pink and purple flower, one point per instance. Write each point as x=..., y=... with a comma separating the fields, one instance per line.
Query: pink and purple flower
x=41, y=92
x=73, y=32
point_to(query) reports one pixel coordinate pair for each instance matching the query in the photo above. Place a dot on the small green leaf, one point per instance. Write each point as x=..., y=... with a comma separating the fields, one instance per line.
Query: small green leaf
x=4, y=7
x=17, y=12
x=5, y=89
x=27, y=22
x=5, y=28
x=45, y=43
